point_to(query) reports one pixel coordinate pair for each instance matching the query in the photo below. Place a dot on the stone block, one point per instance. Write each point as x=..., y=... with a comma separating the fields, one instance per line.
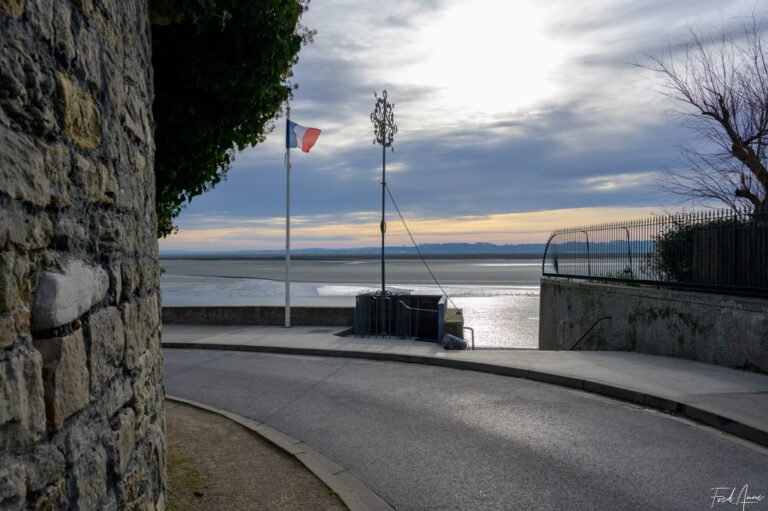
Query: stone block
x=150, y=274
x=144, y=385
x=88, y=56
x=26, y=87
x=154, y=345
x=82, y=118
x=13, y=488
x=12, y=272
x=79, y=438
x=13, y=8
x=131, y=279
x=53, y=22
x=114, y=60
x=64, y=296
x=53, y=497
x=131, y=487
x=115, y=234
x=40, y=19
x=28, y=231
x=22, y=168
x=130, y=191
x=65, y=374
x=135, y=334
x=58, y=167
x=45, y=465
x=22, y=408
x=157, y=476
x=14, y=326
x=150, y=313
x=116, y=395
x=90, y=478
x=124, y=439
x=70, y=234
x=99, y=183
x=107, y=347
x=86, y=6
x=115, y=283
x=137, y=119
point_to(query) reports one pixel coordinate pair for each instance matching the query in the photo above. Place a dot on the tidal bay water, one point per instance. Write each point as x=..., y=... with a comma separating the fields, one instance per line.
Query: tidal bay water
x=499, y=297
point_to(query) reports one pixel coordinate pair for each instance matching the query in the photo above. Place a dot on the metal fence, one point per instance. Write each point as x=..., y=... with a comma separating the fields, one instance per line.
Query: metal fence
x=722, y=251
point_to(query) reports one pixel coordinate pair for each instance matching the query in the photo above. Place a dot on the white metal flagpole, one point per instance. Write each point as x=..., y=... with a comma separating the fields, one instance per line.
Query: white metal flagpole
x=287, y=221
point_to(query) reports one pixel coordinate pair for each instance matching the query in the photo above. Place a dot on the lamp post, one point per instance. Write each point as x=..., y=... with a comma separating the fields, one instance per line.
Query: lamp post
x=384, y=129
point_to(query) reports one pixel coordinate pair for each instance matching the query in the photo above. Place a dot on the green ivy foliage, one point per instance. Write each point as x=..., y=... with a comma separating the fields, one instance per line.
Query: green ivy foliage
x=221, y=73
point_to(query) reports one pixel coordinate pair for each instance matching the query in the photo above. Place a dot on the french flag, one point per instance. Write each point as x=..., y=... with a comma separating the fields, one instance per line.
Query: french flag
x=299, y=136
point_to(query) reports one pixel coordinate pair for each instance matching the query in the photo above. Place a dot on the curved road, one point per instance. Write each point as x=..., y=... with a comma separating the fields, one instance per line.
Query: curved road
x=434, y=438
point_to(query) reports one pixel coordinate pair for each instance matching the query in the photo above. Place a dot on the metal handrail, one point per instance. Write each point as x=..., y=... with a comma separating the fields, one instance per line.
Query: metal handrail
x=408, y=307
x=588, y=331
x=472, y=331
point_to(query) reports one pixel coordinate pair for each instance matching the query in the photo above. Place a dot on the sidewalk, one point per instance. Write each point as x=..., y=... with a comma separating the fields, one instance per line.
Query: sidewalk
x=728, y=399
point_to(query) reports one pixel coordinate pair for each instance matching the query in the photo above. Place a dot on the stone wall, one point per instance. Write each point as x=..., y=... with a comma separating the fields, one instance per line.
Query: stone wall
x=259, y=315
x=81, y=420
x=718, y=329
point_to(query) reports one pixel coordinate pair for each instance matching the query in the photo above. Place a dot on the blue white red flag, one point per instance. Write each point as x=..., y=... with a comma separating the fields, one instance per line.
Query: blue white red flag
x=301, y=137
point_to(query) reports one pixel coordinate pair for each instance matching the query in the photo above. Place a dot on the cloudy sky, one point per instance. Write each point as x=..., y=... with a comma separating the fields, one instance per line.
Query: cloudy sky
x=515, y=117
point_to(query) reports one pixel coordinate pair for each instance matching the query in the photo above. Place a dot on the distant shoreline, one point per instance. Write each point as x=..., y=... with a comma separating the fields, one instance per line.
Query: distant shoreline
x=342, y=257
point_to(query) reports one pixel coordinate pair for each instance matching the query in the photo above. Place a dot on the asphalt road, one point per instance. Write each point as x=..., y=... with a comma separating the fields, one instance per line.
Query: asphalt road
x=434, y=438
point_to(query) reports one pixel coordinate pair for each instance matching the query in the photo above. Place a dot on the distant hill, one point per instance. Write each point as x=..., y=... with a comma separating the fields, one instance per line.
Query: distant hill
x=428, y=249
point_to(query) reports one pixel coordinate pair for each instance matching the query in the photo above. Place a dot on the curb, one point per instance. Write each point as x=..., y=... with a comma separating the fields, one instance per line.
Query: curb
x=697, y=413
x=355, y=495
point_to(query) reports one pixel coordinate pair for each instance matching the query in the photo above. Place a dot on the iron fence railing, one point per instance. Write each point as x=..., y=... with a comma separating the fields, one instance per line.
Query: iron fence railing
x=720, y=250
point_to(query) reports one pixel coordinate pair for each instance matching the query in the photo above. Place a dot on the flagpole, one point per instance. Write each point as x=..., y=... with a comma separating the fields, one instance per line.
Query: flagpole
x=287, y=221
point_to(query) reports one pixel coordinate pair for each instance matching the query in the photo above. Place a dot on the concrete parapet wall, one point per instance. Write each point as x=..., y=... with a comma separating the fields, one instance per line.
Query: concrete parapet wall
x=718, y=329
x=81, y=399
x=256, y=315
x=454, y=322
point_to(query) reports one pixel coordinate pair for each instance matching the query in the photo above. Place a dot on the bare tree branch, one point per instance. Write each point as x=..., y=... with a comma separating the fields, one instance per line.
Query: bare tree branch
x=723, y=81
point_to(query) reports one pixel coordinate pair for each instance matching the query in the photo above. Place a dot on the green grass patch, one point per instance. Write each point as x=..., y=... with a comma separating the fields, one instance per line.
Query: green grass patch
x=184, y=481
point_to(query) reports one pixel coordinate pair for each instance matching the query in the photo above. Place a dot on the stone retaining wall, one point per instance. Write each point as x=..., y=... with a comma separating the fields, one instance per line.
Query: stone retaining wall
x=258, y=315
x=81, y=420
x=718, y=329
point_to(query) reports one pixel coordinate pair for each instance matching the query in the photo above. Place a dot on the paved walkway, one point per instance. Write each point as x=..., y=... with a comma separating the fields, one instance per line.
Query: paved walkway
x=731, y=400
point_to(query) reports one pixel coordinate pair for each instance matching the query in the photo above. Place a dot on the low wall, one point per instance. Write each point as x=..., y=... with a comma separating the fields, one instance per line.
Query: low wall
x=454, y=322
x=253, y=315
x=718, y=329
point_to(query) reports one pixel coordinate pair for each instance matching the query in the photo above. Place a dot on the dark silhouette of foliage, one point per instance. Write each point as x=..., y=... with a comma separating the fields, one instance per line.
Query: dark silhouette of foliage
x=221, y=70
x=687, y=251
x=673, y=258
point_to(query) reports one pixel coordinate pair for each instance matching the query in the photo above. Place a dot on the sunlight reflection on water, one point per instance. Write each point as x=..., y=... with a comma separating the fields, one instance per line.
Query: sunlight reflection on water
x=501, y=316
x=502, y=321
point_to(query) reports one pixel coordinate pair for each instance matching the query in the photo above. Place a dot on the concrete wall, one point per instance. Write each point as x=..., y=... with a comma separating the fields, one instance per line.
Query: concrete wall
x=81, y=420
x=270, y=316
x=716, y=329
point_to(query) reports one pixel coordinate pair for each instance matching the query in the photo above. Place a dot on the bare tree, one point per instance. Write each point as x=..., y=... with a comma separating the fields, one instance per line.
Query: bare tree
x=722, y=80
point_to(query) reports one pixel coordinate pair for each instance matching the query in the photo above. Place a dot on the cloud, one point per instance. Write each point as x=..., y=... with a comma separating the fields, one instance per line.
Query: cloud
x=473, y=141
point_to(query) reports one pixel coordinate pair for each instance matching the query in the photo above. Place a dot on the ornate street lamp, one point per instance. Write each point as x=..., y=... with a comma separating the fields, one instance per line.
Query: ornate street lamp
x=384, y=129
